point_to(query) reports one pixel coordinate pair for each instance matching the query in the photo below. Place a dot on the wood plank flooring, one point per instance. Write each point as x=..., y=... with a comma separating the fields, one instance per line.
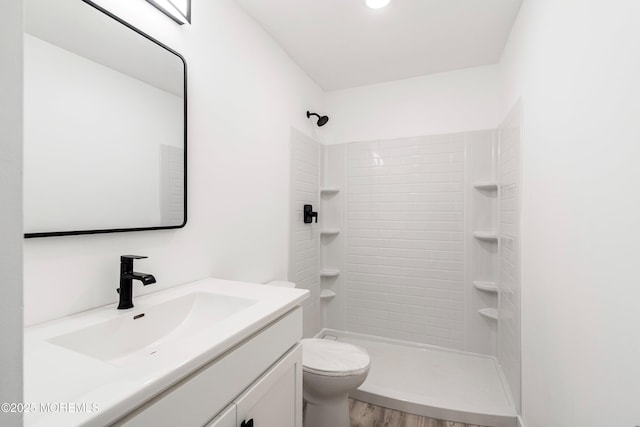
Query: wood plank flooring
x=364, y=414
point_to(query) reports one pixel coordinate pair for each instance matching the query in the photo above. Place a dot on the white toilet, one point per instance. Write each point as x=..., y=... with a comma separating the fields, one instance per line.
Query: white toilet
x=330, y=371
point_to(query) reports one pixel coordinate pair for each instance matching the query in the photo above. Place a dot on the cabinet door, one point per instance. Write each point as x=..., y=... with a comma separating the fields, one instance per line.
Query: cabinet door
x=275, y=399
x=226, y=419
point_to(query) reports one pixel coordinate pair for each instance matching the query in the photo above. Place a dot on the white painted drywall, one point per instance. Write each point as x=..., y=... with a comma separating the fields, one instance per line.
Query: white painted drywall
x=344, y=44
x=457, y=101
x=11, y=209
x=577, y=67
x=244, y=95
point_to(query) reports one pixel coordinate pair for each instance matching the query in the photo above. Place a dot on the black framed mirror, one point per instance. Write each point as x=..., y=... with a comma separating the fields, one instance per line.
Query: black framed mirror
x=105, y=120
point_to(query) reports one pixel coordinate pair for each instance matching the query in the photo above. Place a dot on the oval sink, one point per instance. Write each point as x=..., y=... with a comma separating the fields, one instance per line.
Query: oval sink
x=141, y=333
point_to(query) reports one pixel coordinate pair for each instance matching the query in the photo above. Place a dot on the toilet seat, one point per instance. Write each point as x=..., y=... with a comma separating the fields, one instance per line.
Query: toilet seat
x=333, y=359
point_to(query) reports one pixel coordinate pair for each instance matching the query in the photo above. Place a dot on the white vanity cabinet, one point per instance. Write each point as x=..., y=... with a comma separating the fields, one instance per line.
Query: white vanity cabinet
x=275, y=400
x=226, y=419
x=259, y=379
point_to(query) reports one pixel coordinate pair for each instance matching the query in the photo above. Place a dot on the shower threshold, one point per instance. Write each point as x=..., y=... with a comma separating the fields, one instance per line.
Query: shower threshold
x=432, y=381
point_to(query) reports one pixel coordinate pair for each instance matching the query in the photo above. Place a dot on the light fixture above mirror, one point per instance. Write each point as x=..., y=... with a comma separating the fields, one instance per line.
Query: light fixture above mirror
x=178, y=10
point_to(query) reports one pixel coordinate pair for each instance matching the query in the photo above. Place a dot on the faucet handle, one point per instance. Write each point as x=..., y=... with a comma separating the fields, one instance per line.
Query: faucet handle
x=131, y=257
x=309, y=214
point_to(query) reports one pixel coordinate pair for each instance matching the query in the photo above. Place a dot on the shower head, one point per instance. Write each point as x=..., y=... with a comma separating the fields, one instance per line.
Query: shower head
x=322, y=120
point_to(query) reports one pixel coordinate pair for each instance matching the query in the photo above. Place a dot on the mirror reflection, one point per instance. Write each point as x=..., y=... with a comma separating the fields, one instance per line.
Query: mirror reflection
x=105, y=122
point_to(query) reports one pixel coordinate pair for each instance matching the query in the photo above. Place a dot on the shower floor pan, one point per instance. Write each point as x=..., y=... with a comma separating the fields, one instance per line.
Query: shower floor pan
x=432, y=381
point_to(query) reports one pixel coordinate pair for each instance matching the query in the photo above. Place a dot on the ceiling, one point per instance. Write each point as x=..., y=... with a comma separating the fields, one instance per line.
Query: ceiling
x=343, y=43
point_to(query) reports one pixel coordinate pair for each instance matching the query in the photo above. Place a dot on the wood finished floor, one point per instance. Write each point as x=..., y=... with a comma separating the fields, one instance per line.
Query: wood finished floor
x=364, y=414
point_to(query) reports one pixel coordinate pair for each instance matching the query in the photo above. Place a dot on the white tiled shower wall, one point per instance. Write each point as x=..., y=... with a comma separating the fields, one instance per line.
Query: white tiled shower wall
x=405, y=208
x=482, y=259
x=304, y=245
x=509, y=283
x=403, y=251
x=332, y=247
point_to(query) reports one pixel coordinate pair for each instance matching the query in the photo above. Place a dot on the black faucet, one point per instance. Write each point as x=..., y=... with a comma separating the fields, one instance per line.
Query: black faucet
x=127, y=276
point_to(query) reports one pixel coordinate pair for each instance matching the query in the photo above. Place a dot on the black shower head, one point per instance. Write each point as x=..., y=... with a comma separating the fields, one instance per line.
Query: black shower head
x=322, y=120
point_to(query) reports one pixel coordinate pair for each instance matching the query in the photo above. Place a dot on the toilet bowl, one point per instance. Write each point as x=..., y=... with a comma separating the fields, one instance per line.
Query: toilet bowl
x=330, y=371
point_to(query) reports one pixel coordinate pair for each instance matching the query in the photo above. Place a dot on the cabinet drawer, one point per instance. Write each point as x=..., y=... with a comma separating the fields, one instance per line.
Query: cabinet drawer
x=199, y=397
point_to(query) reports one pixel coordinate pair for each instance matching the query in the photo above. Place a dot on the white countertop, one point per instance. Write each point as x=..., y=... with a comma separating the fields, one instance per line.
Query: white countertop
x=56, y=376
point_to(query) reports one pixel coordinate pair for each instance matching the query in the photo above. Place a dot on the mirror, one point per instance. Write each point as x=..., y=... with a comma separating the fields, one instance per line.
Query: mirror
x=105, y=124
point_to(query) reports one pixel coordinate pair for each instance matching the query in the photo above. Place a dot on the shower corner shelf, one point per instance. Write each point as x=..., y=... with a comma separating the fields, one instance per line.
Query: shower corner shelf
x=327, y=294
x=329, y=231
x=485, y=235
x=487, y=186
x=329, y=272
x=329, y=190
x=490, y=313
x=486, y=286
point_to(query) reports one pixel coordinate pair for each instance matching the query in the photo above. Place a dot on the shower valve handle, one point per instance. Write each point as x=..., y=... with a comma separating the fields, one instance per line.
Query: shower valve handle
x=309, y=214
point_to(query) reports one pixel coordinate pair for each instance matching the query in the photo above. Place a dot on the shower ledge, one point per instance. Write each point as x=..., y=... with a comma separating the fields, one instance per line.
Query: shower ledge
x=329, y=190
x=329, y=272
x=487, y=186
x=329, y=231
x=485, y=235
x=486, y=286
x=327, y=294
x=490, y=313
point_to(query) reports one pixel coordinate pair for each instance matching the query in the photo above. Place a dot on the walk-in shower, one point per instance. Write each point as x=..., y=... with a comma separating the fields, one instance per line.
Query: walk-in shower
x=416, y=259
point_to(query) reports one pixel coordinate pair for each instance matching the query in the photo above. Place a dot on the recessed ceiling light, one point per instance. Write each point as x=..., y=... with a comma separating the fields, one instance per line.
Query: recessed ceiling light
x=377, y=4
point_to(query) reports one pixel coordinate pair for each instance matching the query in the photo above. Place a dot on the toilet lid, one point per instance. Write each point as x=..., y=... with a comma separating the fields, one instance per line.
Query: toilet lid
x=332, y=358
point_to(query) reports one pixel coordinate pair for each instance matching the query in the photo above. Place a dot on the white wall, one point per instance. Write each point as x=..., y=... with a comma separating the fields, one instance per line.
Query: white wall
x=576, y=64
x=11, y=208
x=457, y=101
x=244, y=95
